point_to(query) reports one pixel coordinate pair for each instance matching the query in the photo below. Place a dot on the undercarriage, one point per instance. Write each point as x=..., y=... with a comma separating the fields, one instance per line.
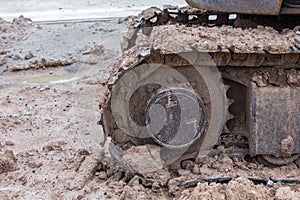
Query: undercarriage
x=191, y=81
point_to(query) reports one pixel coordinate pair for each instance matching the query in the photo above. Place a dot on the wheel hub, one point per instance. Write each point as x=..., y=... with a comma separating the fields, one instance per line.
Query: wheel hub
x=176, y=118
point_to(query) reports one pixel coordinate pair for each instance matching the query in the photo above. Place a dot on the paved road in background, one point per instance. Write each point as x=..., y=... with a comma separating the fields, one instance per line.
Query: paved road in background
x=45, y=10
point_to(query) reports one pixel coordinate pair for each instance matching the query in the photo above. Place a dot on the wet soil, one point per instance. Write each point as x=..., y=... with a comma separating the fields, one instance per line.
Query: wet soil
x=50, y=140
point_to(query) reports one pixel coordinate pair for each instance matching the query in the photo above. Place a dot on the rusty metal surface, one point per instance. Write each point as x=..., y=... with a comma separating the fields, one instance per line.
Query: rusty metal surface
x=263, y=7
x=275, y=117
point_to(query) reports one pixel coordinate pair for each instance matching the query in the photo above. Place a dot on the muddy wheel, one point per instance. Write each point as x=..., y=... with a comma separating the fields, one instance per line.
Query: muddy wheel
x=270, y=160
x=149, y=91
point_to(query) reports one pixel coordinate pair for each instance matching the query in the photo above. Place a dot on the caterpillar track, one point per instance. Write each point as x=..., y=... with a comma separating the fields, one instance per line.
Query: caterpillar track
x=192, y=80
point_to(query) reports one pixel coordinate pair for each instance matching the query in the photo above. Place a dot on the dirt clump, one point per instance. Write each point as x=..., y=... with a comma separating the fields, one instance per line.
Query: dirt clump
x=240, y=188
x=38, y=65
x=13, y=31
x=92, y=55
x=286, y=193
x=218, y=177
x=143, y=159
x=8, y=161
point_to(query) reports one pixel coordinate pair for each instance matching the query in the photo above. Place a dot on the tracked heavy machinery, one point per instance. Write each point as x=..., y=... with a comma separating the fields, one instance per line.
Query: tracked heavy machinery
x=214, y=73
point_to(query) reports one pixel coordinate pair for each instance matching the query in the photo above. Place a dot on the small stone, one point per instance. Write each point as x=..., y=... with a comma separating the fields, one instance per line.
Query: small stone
x=48, y=120
x=47, y=87
x=17, y=57
x=9, y=143
x=42, y=89
x=34, y=165
x=68, y=105
x=102, y=175
x=83, y=152
x=187, y=164
x=30, y=112
x=23, y=180
x=196, y=169
x=51, y=72
x=270, y=183
x=206, y=44
x=28, y=56
x=86, y=132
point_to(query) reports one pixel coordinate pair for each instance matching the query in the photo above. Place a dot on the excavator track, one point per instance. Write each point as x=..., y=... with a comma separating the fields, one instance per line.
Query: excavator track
x=257, y=65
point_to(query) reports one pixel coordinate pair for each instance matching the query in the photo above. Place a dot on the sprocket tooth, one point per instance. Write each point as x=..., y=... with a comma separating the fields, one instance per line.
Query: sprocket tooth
x=229, y=116
x=227, y=87
x=230, y=102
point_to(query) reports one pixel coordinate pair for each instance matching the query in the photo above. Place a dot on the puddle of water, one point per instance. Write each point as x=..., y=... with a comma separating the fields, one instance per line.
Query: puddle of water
x=64, y=80
x=42, y=79
x=58, y=75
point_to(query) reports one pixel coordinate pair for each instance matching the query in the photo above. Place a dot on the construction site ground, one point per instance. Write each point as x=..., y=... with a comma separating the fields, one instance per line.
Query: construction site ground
x=51, y=79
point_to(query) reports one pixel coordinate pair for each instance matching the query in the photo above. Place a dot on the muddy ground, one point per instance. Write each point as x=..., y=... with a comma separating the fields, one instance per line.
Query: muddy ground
x=51, y=80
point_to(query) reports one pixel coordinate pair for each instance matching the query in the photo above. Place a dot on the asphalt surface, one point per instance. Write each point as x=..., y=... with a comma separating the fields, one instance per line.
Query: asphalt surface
x=44, y=10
